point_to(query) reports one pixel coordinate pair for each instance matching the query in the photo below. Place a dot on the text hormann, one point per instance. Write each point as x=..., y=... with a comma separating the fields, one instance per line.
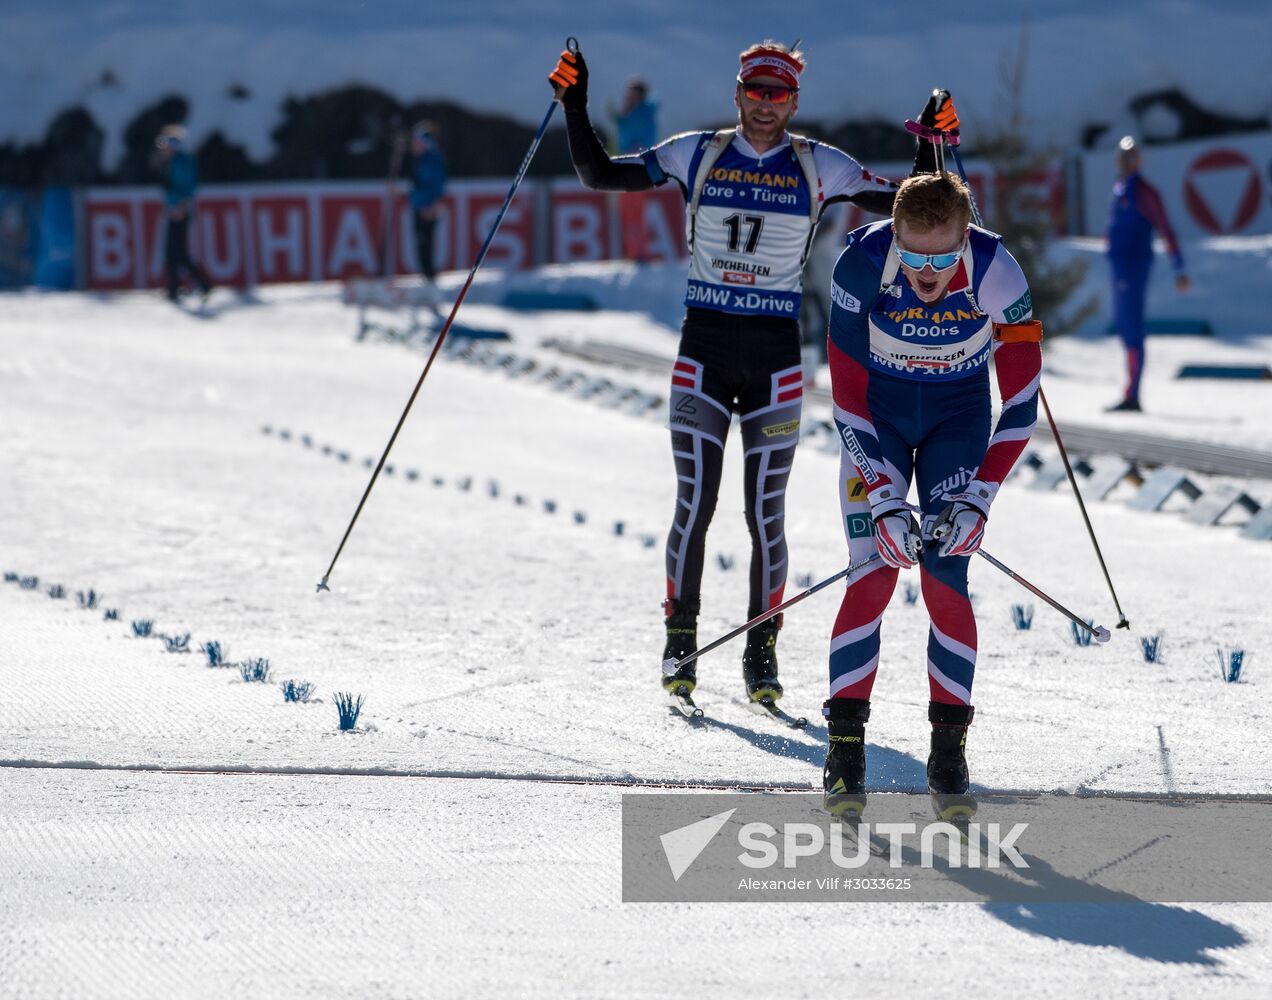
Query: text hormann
x=754, y=177
x=935, y=316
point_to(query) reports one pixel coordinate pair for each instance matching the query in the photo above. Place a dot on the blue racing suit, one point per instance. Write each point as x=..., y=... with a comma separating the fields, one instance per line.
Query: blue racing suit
x=911, y=391
x=1135, y=212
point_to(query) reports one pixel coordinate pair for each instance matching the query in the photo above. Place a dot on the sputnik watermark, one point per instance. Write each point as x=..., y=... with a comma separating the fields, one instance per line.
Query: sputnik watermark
x=1011, y=847
x=682, y=846
x=987, y=848
x=848, y=846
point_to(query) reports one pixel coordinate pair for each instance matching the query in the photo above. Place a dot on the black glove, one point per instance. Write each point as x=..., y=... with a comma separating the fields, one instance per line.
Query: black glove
x=939, y=112
x=569, y=81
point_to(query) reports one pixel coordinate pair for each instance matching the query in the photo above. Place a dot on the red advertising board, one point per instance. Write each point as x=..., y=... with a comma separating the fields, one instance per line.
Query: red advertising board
x=584, y=225
x=254, y=234
x=1041, y=191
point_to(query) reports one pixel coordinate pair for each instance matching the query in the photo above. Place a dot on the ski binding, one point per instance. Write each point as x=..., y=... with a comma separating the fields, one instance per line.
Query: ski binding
x=767, y=706
x=682, y=702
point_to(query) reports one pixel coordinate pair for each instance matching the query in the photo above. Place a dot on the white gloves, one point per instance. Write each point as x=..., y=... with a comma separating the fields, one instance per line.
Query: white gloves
x=896, y=531
x=898, y=540
x=960, y=527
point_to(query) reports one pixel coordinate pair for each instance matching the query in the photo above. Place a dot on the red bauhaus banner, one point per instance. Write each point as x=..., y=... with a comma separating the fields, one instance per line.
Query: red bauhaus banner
x=255, y=234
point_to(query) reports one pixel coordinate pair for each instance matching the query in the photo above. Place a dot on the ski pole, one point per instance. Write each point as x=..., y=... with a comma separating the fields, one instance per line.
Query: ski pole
x=671, y=664
x=1073, y=481
x=1055, y=432
x=958, y=161
x=1100, y=633
x=572, y=46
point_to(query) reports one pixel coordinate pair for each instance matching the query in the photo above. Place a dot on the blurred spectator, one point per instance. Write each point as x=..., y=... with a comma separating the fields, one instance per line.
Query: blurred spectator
x=429, y=182
x=636, y=123
x=180, y=185
x=1137, y=210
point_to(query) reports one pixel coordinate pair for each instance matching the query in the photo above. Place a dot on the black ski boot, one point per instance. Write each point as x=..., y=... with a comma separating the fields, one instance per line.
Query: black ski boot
x=759, y=663
x=682, y=639
x=947, y=766
x=844, y=776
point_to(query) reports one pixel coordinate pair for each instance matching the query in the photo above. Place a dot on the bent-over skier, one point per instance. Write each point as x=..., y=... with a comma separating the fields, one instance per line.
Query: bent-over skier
x=920, y=305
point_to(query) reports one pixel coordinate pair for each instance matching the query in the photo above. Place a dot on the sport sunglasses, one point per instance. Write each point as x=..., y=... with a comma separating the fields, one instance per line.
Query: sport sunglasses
x=937, y=261
x=760, y=92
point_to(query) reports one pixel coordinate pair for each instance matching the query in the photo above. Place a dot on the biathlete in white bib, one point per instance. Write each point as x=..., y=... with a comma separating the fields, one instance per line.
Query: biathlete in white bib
x=754, y=195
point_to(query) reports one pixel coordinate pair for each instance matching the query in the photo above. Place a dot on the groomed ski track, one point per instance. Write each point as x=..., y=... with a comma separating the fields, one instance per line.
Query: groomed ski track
x=172, y=831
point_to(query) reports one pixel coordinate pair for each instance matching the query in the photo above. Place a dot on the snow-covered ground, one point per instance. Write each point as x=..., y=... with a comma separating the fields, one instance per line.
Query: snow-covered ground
x=507, y=654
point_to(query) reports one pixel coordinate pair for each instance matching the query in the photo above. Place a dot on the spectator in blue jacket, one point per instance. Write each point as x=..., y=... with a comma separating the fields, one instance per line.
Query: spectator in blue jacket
x=429, y=183
x=636, y=122
x=1136, y=211
x=180, y=186
x=637, y=119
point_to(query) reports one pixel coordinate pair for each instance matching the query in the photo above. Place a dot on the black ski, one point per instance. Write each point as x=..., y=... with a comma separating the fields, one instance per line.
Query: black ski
x=767, y=706
x=682, y=702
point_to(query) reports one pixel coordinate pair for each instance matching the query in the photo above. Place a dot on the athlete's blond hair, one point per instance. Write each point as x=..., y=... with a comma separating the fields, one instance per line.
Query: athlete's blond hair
x=770, y=45
x=928, y=201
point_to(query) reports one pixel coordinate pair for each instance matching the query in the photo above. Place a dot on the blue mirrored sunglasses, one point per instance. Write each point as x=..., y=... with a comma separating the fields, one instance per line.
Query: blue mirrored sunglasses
x=937, y=261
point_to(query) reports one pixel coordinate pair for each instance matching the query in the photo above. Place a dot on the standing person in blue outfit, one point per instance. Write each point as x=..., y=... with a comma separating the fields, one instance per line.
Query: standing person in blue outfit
x=429, y=176
x=636, y=122
x=180, y=186
x=1136, y=211
x=754, y=195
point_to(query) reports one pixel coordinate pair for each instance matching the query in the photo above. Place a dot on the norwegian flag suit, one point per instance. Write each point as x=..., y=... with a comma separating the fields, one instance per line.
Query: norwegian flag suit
x=912, y=401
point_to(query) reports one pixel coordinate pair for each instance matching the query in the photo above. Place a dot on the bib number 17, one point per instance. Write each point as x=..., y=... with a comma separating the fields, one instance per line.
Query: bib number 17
x=735, y=224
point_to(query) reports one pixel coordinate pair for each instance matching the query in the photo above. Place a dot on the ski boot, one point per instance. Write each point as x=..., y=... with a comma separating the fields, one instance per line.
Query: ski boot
x=1125, y=406
x=947, y=766
x=844, y=776
x=759, y=664
x=682, y=639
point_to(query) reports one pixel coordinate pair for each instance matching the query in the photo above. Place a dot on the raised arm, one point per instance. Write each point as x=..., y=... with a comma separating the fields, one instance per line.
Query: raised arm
x=591, y=162
x=844, y=179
